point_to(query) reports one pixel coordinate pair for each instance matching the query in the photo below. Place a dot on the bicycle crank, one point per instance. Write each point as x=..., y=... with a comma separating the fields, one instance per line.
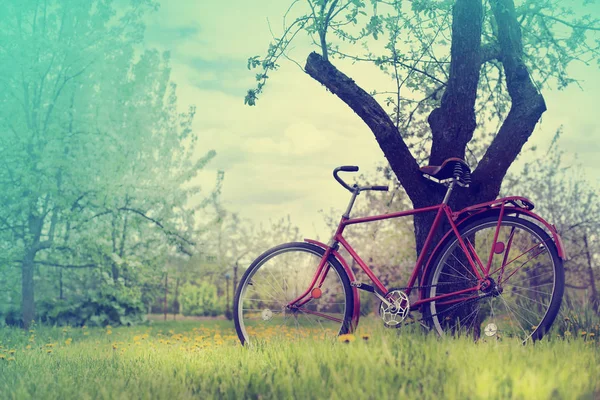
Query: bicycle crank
x=398, y=309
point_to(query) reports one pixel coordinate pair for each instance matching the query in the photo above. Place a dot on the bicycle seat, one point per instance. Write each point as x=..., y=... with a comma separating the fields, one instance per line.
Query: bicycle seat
x=446, y=170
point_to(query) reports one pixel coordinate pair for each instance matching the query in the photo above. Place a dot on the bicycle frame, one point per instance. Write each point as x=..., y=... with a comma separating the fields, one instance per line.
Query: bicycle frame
x=500, y=207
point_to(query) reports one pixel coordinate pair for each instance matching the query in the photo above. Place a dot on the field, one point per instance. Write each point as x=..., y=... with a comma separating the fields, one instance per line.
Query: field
x=203, y=359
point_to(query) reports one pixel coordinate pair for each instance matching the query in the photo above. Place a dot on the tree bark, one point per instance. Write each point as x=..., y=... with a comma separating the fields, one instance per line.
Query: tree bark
x=453, y=123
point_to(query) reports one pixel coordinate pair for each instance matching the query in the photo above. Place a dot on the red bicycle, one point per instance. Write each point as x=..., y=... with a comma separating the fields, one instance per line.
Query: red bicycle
x=498, y=267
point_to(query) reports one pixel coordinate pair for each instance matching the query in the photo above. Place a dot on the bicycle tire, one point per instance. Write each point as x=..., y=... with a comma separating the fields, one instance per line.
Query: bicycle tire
x=519, y=316
x=278, y=296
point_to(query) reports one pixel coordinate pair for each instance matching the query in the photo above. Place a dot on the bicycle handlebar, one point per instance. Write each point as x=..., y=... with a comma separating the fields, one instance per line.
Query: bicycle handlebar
x=344, y=168
x=353, y=168
x=381, y=188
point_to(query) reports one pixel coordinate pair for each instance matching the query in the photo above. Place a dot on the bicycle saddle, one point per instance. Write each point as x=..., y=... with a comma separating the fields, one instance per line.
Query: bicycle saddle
x=446, y=170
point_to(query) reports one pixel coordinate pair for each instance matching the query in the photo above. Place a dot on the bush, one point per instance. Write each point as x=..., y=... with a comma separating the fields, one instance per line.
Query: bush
x=111, y=305
x=201, y=300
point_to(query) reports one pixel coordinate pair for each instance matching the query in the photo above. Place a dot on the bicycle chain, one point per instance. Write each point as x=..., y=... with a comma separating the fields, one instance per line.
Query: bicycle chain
x=425, y=286
x=457, y=305
x=462, y=304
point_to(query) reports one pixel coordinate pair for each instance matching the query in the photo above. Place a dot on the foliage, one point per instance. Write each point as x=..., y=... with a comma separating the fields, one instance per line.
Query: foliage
x=201, y=300
x=109, y=306
x=97, y=158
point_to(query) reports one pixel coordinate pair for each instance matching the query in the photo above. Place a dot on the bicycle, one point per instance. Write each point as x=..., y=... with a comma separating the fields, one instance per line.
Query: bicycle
x=498, y=266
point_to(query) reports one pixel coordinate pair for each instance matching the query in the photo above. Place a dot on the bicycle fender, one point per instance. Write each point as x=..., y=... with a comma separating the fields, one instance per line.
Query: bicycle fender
x=522, y=211
x=342, y=261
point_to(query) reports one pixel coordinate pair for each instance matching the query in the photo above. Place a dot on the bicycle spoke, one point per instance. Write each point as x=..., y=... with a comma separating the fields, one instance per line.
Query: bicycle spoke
x=526, y=292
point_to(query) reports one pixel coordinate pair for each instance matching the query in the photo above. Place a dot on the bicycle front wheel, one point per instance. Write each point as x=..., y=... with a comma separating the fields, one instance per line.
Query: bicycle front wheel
x=280, y=276
x=522, y=294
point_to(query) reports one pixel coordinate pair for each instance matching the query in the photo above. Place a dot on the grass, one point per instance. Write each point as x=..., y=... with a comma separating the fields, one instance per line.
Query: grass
x=190, y=359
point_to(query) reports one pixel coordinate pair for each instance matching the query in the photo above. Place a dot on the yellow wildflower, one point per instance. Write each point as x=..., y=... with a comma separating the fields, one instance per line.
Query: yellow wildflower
x=2, y=356
x=68, y=341
x=10, y=359
x=347, y=338
x=12, y=351
x=28, y=347
x=109, y=332
x=49, y=351
x=583, y=333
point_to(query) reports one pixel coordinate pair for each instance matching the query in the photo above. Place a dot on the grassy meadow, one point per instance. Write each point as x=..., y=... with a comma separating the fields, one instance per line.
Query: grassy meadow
x=203, y=359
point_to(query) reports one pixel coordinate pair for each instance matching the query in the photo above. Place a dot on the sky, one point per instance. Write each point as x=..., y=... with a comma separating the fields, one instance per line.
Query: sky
x=278, y=156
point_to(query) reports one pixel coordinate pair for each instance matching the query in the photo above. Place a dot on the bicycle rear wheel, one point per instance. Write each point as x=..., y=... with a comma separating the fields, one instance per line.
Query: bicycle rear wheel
x=526, y=277
x=278, y=277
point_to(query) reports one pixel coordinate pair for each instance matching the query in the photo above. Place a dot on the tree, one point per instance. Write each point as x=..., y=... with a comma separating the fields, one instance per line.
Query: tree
x=94, y=149
x=468, y=64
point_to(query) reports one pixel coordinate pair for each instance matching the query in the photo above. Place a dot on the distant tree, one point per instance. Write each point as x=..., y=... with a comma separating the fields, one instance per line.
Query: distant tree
x=465, y=78
x=560, y=191
x=94, y=151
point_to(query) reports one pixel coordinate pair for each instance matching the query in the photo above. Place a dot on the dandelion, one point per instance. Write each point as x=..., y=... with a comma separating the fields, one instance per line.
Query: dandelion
x=347, y=338
x=86, y=333
x=10, y=359
x=583, y=333
x=49, y=351
x=108, y=332
x=114, y=346
x=50, y=345
x=12, y=351
x=2, y=356
x=28, y=347
x=68, y=341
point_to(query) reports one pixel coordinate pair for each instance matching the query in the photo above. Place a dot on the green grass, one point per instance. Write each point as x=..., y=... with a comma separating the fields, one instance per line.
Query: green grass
x=185, y=360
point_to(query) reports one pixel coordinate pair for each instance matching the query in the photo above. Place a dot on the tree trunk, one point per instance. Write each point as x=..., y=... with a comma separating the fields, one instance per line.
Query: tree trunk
x=27, y=289
x=452, y=123
x=176, y=300
x=594, y=300
x=166, y=293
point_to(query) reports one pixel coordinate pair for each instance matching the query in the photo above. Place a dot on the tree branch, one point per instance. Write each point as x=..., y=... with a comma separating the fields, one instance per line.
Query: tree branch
x=526, y=108
x=70, y=266
x=160, y=225
x=390, y=141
